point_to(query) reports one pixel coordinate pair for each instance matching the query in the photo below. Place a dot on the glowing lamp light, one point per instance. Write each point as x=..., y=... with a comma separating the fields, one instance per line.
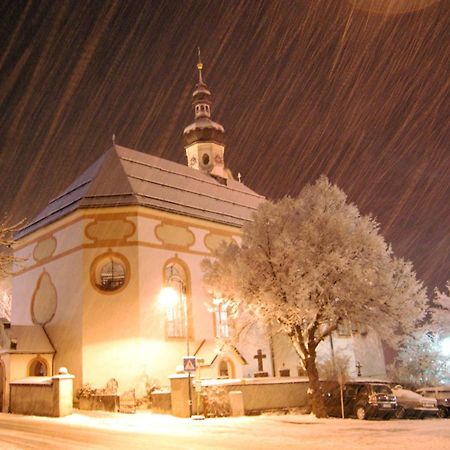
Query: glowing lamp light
x=445, y=346
x=168, y=296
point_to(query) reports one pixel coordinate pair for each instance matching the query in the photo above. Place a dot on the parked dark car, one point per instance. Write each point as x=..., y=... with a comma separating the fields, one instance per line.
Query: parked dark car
x=442, y=395
x=363, y=400
x=412, y=405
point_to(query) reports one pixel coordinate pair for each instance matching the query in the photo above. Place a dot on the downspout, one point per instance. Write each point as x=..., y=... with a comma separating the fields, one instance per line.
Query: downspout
x=53, y=347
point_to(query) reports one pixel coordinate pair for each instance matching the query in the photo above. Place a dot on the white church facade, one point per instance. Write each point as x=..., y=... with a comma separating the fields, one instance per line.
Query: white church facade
x=89, y=295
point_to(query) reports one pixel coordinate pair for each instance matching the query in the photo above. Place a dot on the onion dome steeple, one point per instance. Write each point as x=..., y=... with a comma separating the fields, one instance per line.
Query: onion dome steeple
x=204, y=138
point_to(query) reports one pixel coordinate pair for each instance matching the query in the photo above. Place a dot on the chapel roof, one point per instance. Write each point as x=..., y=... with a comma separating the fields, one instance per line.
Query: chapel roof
x=29, y=338
x=208, y=351
x=123, y=176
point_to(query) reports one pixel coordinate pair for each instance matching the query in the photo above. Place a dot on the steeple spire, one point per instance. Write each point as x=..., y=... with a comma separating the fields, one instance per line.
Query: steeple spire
x=204, y=138
x=201, y=98
x=199, y=67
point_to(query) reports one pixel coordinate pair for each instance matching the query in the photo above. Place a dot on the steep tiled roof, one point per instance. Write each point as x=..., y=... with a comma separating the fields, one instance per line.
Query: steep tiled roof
x=123, y=176
x=29, y=338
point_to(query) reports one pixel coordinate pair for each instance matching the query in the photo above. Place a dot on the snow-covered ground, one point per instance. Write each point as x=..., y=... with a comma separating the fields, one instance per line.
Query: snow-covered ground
x=101, y=430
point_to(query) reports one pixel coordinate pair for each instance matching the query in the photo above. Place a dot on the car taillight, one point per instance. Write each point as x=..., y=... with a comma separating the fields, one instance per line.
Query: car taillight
x=373, y=398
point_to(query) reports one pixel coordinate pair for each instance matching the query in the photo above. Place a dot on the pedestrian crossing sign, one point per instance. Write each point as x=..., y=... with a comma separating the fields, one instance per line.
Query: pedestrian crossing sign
x=189, y=364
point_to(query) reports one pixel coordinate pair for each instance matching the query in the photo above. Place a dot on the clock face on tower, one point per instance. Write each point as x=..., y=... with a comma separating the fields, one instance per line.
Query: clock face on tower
x=193, y=161
x=205, y=159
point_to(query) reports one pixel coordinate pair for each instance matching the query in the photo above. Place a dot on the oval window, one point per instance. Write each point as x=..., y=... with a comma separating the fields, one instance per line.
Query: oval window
x=110, y=272
x=111, y=276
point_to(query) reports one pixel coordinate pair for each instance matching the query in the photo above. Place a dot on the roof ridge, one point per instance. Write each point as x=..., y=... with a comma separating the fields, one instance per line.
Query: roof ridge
x=186, y=190
x=186, y=175
x=94, y=167
x=196, y=207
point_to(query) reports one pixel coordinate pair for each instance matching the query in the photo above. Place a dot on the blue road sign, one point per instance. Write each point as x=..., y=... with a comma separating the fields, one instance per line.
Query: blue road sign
x=190, y=363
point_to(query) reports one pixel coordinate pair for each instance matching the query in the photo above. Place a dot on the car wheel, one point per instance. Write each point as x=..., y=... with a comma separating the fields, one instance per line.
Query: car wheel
x=360, y=412
x=442, y=413
x=400, y=413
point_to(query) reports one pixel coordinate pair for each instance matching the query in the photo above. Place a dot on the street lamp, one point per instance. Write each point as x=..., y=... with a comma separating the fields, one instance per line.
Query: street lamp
x=171, y=298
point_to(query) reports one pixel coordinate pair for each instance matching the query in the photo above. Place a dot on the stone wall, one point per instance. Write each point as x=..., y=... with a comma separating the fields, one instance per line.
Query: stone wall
x=266, y=393
x=258, y=395
x=42, y=396
x=161, y=402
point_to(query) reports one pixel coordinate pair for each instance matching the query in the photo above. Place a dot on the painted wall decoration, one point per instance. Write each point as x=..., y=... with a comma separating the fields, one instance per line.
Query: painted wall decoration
x=44, y=249
x=44, y=301
x=213, y=241
x=110, y=229
x=174, y=235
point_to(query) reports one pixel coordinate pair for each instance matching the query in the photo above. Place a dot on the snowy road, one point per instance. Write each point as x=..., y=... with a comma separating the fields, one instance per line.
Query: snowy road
x=144, y=431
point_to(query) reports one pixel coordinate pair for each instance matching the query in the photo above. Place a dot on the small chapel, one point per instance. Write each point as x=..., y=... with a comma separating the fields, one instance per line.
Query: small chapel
x=91, y=293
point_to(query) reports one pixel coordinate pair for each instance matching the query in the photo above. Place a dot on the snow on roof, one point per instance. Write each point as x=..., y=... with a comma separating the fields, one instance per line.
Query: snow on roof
x=202, y=123
x=29, y=338
x=123, y=176
x=443, y=387
x=406, y=394
x=209, y=352
x=252, y=381
x=34, y=381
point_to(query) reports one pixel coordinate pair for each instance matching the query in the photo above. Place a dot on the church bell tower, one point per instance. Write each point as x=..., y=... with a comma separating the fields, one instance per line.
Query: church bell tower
x=204, y=138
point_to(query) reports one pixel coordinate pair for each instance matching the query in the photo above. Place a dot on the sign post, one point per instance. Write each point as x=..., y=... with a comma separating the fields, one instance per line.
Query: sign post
x=189, y=366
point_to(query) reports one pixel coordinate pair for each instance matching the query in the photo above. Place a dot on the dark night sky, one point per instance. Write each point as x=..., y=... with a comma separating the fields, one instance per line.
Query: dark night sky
x=302, y=88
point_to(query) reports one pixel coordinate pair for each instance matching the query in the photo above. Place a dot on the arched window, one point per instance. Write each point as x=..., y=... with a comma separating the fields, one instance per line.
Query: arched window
x=223, y=369
x=38, y=368
x=226, y=369
x=175, y=278
x=221, y=318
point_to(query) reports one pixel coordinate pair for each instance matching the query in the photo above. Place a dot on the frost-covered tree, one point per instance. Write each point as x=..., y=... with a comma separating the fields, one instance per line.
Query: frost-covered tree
x=422, y=360
x=306, y=263
x=440, y=311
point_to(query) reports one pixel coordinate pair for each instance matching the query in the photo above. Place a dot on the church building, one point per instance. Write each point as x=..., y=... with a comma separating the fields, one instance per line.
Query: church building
x=92, y=294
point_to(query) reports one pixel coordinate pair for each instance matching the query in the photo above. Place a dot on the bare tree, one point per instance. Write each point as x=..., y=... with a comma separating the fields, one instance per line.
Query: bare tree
x=6, y=243
x=307, y=263
x=7, y=260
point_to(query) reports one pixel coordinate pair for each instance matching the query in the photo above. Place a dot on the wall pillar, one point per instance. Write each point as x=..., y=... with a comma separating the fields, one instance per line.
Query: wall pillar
x=62, y=393
x=179, y=393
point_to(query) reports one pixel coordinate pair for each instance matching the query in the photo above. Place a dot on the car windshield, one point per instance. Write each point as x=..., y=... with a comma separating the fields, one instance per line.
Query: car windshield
x=382, y=389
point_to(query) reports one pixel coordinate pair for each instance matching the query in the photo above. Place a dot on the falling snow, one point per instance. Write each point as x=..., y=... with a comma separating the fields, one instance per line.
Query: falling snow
x=302, y=88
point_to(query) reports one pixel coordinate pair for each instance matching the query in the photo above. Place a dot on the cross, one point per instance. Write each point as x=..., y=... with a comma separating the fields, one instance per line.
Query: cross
x=259, y=356
x=239, y=176
x=358, y=366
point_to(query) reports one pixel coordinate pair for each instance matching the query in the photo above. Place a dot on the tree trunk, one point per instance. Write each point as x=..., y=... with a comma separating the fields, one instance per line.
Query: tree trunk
x=317, y=402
